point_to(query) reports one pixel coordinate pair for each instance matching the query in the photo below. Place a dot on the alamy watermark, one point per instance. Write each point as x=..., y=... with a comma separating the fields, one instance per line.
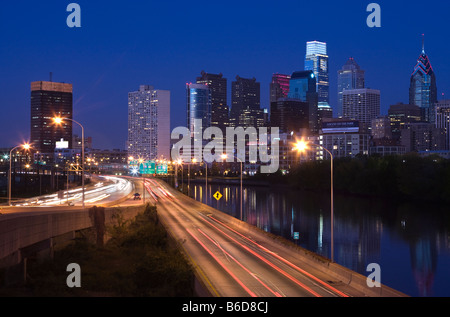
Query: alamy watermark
x=374, y=18
x=74, y=278
x=239, y=140
x=374, y=278
x=74, y=18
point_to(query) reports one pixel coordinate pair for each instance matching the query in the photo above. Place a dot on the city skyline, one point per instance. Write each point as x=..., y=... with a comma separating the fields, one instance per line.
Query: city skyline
x=102, y=71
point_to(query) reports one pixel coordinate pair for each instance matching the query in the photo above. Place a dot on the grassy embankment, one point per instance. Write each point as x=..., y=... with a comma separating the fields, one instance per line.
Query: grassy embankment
x=138, y=260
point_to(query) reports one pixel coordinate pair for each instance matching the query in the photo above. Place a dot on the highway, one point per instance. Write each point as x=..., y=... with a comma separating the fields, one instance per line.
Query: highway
x=233, y=260
x=102, y=191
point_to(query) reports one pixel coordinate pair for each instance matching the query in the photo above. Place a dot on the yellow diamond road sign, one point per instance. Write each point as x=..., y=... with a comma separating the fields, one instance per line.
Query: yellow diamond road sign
x=217, y=196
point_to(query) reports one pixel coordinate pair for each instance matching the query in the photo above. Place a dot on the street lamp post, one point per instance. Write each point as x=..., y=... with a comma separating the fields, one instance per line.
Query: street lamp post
x=303, y=146
x=59, y=121
x=194, y=160
x=25, y=146
x=224, y=157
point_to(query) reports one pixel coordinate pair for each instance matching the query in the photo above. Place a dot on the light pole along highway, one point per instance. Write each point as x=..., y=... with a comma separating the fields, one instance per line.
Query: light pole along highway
x=224, y=157
x=302, y=146
x=59, y=121
x=25, y=146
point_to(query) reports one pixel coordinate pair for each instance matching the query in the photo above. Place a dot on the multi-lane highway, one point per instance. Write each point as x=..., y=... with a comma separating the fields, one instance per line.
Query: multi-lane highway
x=234, y=260
x=103, y=190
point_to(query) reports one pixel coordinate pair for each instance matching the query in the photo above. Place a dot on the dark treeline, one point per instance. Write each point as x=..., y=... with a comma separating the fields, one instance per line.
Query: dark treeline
x=399, y=177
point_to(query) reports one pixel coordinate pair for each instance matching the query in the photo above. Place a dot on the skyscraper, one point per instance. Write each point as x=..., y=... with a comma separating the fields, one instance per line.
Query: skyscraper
x=317, y=60
x=422, y=89
x=149, y=123
x=362, y=105
x=279, y=87
x=246, y=105
x=219, y=107
x=198, y=97
x=302, y=86
x=50, y=99
x=443, y=119
x=350, y=76
x=400, y=115
x=289, y=115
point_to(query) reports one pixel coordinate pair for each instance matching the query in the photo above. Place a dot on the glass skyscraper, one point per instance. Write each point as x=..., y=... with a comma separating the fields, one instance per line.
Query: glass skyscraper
x=422, y=89
x=198, y=106
x=302, y=86
x=279, y=87
x=351, y=76
x=316, y=60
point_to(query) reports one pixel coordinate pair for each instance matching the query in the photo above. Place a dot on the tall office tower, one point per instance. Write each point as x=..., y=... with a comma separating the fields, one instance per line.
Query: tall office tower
x=289, y=115
x=302, y=86
x=149, y=123
x=317, y=60
x=198, y=97
x=443, y=119
x=219, y=107
x=50, y=99
x=279, y=87
x=350, y=76
x=422, y=89
x=362, y=105
x=246, y=106
x=400, y=115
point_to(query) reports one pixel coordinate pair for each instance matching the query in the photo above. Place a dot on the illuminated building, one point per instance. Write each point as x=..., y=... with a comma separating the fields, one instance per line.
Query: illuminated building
x=443, y=119
x=302, y=86
x=50, y=99
x=246, y=104
x=316, y=60
x=422, y=89
x=279, y=87
x=400, y=115
x=149, y=123
x=362, y=105
x=289, y=115
x=351, y=76
x=219, y=107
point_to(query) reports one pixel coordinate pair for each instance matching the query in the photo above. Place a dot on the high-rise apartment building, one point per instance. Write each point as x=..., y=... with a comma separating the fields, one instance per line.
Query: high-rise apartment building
x=350, y=76
x=219, y=107
x=422, y=89
x=149, y=123
x=362, y=105
x=316, y=60
x=279, y=87
x=49, y=100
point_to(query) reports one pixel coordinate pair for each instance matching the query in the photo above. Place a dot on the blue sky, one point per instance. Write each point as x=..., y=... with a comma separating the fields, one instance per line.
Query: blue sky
x=123, y=44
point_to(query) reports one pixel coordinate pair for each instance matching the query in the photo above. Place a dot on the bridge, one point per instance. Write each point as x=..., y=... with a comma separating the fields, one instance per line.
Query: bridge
x=230, y=257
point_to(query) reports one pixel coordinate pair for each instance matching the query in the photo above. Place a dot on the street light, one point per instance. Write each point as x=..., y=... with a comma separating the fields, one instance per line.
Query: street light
x=141, y=161
x=25, y=146
x=302, y=146
x=59, y=121
x=224, y=157
x=194, y=160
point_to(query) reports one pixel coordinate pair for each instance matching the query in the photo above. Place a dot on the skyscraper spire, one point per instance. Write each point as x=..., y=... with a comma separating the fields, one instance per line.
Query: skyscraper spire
x=423, y=44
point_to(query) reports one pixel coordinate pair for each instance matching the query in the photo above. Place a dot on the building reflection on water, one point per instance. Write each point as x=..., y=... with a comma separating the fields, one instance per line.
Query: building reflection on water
x=365, y=230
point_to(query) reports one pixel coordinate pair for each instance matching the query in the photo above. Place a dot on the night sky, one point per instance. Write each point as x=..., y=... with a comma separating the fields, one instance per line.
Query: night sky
x=124, y=44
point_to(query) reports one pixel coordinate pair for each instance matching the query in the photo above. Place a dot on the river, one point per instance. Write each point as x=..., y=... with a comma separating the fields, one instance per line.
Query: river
x=410, y=241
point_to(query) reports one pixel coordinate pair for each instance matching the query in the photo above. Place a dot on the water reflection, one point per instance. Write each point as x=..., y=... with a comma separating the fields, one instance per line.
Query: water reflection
x=406, y=240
